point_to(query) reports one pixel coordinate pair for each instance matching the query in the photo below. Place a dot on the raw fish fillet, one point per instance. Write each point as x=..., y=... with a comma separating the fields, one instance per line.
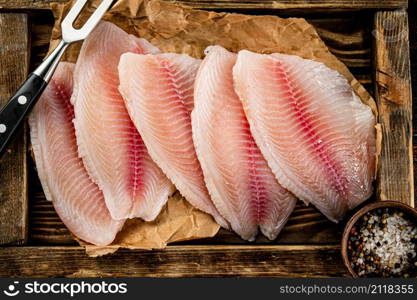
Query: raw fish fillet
x=158, y=92
x=241, y=184
x=110, y=145
x=77, y=200
x=315, y=133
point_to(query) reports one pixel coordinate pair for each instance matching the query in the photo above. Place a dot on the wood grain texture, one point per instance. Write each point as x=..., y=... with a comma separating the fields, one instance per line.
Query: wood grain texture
x=175, y=261
x=247, y=4
x=412, y=11
x=296, y=6
x=348, y=37
x=14, y=64
x=41, y=22
x=28, y=4
x=393, y=97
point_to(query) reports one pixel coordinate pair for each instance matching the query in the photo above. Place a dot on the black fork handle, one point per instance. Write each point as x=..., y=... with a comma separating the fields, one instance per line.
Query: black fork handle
x=13, y=114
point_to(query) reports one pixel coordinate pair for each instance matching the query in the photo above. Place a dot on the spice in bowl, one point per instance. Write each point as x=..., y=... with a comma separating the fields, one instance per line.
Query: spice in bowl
x=383, y=243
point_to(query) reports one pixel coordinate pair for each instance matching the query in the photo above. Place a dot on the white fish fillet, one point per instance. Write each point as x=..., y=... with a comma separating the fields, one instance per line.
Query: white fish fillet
x=241, y=184
x=77, y=200
x=158, y=92
x=110, y=145
x=315, y=133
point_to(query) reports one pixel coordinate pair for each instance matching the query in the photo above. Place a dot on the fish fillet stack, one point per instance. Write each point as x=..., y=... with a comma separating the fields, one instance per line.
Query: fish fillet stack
x=241, y=136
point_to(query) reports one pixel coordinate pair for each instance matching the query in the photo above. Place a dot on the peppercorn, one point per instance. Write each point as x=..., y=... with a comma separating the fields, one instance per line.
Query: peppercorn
x=371, y=233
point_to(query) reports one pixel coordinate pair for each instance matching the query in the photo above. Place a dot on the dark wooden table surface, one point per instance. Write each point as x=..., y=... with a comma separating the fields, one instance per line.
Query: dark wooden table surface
x=413, y=57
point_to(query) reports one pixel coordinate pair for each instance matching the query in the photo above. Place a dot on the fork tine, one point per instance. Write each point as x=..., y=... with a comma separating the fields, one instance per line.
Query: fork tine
x=95, y=18
x=69, y=33
x=73, y=13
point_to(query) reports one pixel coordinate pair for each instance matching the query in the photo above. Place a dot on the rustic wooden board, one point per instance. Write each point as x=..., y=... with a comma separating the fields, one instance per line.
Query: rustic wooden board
x=14, y=64
x=393, y=97
x=247, y=4
x=297, y=6
x=413, y=58
x=28, y=4
x=347, y=36
x=175, y=261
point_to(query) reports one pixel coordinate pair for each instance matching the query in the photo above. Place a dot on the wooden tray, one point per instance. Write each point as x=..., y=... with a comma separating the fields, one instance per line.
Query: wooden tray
x=369, y=36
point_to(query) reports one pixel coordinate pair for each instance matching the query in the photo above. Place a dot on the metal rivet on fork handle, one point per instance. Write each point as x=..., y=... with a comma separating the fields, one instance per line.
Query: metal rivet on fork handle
x=22, y=100
x=3, y=128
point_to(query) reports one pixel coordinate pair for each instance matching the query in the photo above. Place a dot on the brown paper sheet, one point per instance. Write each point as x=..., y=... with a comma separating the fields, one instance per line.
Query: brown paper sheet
x=179, y=29
x=178, y=221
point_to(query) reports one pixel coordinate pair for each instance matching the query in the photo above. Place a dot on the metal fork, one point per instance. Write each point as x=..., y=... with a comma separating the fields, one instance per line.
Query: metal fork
x=13, y=114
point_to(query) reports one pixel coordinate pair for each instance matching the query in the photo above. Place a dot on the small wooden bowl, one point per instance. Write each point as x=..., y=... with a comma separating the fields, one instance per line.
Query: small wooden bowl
x=409, y=211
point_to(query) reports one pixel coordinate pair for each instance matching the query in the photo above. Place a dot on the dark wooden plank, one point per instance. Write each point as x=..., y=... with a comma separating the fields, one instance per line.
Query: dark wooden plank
x=28, y=4
x=14, y=64
x=297, y=5
x=347, y=37
x=412, y=11
x=41, y=22
x=393, y=96
x=247, y=4
x=175, y=261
